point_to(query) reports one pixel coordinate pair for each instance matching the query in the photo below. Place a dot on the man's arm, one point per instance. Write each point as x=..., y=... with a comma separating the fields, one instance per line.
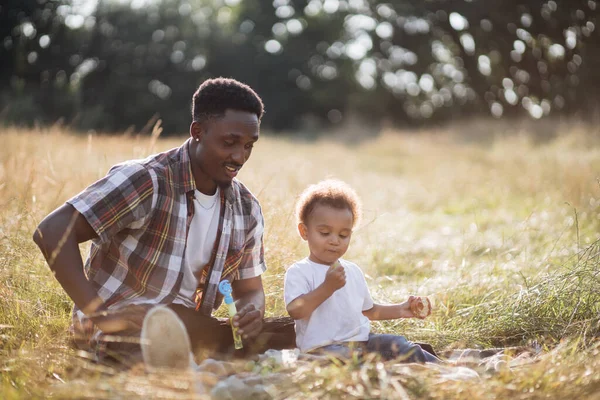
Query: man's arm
x=58, y=237
x=103, y=209
x=250, y=303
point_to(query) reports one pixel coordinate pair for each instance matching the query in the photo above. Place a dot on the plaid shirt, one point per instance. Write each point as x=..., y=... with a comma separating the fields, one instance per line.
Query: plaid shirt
x=141, y=211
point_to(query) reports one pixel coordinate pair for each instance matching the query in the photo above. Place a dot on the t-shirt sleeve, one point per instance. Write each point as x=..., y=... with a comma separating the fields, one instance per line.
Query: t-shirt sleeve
x=252, y=263
x=368, y=300
x=295, y=284
x=123, y=198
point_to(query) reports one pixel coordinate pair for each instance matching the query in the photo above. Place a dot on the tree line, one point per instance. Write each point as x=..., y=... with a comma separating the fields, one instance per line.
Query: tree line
x=112, y=64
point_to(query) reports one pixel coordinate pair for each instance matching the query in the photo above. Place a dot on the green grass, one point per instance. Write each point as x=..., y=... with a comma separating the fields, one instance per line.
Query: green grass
x=501, y=232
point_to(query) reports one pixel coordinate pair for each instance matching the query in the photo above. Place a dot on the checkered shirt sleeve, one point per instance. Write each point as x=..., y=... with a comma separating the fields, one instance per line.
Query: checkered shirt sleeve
x=253, y=255
x=124, y=198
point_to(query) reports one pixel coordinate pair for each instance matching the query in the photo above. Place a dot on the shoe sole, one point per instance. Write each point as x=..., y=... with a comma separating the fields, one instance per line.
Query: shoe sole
x=165, y=342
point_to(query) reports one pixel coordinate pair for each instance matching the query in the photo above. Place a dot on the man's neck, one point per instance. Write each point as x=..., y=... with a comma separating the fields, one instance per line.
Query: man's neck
x=208, y=189
x=203, y=183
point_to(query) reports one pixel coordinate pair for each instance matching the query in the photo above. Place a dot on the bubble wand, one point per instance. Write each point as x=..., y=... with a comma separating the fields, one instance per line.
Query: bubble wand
x=335, y=264
x=225, y=289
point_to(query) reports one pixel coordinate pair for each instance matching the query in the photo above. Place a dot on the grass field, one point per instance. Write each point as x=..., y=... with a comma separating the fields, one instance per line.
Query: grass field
x=501, y=231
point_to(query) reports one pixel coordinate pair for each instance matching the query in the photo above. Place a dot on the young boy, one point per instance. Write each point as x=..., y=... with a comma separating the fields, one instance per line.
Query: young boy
x=326, y=295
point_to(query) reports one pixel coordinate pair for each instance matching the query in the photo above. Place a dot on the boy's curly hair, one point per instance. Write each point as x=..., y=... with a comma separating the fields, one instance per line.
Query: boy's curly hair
x=215, y=96
x=330, y=192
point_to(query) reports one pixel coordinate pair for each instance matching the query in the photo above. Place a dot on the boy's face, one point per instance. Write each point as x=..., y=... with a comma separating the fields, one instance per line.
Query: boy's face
x=328, y=231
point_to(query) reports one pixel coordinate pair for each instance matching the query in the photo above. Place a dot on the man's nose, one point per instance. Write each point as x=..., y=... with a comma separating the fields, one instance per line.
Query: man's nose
x=239, y=156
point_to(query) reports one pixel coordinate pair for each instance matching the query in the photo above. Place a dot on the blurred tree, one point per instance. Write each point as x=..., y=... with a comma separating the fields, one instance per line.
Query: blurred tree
x=38, y=53
x=442, y=59
x=314, y=62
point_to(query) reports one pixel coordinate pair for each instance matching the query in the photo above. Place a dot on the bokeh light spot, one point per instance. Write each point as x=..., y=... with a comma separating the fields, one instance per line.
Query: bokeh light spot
x=273, y=46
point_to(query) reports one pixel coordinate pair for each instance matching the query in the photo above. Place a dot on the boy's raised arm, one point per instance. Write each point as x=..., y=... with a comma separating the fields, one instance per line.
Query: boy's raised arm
x=303, y=306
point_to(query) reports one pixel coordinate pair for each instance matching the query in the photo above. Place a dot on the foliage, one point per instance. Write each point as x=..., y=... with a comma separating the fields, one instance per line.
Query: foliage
x=314, y=62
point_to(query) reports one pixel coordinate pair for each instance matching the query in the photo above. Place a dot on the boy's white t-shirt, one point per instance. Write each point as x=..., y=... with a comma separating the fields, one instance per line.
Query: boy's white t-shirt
x=337, y=319
x=201, y=239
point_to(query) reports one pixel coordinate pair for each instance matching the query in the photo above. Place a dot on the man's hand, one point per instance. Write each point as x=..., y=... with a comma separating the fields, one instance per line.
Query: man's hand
x=249, y=321
x=335, y=278
x=250, y=302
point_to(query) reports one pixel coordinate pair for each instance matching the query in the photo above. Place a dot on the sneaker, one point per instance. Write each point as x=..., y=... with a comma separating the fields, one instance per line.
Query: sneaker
x=165, y=342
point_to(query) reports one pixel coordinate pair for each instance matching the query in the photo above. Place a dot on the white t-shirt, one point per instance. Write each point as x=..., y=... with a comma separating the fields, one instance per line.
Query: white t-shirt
x=200, y=242
x=337, y=319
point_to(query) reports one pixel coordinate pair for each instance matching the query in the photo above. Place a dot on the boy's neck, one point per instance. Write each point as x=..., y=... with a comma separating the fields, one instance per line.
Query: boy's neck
x=317, y=261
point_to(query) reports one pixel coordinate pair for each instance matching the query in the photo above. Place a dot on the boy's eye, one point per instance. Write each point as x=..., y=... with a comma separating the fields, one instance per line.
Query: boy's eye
x=343, y=236
x=249, y=146
x=229, y=143
x=324, y=233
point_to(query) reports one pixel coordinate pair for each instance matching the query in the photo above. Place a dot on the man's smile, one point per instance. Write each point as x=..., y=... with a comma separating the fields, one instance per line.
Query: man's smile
x=232, y=170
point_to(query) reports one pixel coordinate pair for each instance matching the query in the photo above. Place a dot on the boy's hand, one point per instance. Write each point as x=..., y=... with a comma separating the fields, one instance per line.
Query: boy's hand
x=420, y=307
x=336, y=277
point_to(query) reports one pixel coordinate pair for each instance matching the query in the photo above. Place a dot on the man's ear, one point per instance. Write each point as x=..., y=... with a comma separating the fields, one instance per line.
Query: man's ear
x=303, y=231
x=196, y=131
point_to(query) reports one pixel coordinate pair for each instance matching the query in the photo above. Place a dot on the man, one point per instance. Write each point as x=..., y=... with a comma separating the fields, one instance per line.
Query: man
x=165, y=231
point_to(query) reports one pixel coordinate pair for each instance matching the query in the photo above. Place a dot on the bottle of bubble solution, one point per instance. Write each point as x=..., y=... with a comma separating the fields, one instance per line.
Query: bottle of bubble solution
x=225, y=289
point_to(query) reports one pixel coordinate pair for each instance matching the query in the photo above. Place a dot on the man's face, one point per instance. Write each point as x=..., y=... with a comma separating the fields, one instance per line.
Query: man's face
x=328, y=231
x=222, y=147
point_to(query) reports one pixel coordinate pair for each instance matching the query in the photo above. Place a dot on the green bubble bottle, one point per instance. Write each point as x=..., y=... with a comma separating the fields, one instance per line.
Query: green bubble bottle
x=225, y=289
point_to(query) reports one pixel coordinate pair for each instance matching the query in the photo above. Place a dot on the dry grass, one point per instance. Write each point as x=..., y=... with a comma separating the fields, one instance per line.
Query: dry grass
x=501, y=232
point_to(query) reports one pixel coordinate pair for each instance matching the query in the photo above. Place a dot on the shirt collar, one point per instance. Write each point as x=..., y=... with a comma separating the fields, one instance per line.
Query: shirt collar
x=186, y=177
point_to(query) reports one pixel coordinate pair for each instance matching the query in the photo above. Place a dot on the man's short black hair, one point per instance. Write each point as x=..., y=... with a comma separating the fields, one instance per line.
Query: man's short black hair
x=215, y=96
